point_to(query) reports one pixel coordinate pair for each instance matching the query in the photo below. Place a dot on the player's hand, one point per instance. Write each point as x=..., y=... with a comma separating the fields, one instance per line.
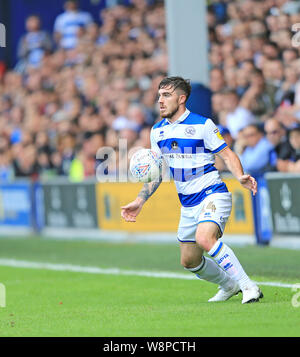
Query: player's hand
x=249, y=182
x=130, y=211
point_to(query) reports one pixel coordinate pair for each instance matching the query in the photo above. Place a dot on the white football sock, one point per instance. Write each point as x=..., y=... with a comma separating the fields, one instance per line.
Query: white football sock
x=208, y=270
x=227, y=260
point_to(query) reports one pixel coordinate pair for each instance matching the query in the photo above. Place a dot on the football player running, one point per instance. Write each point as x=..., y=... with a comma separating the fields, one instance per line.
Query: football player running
x=205, y=200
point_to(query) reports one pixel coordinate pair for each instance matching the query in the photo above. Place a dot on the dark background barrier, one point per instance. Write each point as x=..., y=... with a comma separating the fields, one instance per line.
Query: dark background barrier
x=61, y=204
x=284, y=192
x=70, y=205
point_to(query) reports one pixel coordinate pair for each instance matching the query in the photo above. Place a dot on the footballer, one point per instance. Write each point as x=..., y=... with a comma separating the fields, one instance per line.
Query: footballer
x=205, y=200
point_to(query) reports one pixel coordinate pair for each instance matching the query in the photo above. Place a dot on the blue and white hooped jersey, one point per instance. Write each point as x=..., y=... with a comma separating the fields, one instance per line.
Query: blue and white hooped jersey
x=188, y=147
x=68, y=23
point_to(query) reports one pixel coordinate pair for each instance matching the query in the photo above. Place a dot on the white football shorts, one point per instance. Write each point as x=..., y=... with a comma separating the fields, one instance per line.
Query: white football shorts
x=214, y=208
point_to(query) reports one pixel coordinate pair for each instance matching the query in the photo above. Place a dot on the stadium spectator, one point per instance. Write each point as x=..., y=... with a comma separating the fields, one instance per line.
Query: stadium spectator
x=217, y=81
x=25, y=163
x=277, y=135
x=286, y=93
x=82, y=92
x=217, y=101
x=44, y=164
x=66, y=147
x=33, y=45
x=255, y=75
x=252, y=51
x=294, y=139
x=257, y=150
x=67, y=25
x=237, y=117
x=289, y=55
x=42, y=142
x=293, y=163
x=259, y=97
x=6, y=168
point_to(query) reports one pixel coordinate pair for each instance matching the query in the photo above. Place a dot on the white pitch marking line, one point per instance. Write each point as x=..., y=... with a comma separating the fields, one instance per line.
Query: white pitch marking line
x=112, y=271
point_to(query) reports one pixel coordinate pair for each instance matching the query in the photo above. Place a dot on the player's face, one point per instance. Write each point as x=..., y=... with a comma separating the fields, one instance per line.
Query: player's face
x=168, y=101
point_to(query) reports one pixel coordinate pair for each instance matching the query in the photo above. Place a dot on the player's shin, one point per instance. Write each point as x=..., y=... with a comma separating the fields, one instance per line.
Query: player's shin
x=226, y=259
x=208, y=270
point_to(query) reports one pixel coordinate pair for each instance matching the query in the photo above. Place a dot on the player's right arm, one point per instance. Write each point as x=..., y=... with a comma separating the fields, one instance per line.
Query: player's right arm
x=130, y=211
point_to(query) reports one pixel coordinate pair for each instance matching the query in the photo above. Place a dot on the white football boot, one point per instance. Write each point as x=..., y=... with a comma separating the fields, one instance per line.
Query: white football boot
x=223, y=295
x=252, y=294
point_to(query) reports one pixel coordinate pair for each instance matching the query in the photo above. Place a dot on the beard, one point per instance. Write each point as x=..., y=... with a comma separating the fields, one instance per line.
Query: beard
x=171, y=113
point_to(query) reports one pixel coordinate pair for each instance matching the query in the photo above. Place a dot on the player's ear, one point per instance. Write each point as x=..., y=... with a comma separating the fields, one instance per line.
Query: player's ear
x=182, y=99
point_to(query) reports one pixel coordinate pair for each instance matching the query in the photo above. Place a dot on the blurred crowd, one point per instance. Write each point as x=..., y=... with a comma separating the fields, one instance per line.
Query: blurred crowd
x=85, y=86
x=255, y=81
x=92, y=82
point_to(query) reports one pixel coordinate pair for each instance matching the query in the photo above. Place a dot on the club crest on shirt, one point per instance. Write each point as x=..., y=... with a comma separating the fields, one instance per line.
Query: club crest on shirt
x=190, y=131
x=174, y=145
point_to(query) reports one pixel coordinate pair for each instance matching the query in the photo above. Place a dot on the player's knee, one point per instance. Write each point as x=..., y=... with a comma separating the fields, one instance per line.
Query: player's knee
x=188, y=262
x=206, y=242
x=191, y=265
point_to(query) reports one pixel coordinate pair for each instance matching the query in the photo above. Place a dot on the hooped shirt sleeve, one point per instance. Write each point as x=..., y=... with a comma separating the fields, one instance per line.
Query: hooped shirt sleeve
x=213, y=140
x=154, y=145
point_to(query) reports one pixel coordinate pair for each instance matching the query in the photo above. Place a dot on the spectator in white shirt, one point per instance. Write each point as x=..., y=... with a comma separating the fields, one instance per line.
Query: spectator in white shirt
x=237, y=117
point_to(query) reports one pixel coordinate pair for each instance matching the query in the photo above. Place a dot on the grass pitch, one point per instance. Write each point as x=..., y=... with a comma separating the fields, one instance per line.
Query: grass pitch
x=41, y=302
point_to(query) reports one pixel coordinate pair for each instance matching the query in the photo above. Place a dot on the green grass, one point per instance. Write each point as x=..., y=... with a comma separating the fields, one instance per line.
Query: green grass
x=52, y=303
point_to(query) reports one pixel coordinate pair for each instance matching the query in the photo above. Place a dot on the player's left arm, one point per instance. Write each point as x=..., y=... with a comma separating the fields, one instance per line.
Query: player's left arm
x=234, y=165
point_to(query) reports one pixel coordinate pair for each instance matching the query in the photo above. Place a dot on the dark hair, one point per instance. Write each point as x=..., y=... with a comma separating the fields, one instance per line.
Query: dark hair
x=258, y=126
x=272, y=44
x=257, y=71
x=33, y=15
x=177, y=83
x=75, y=2
x=229, y=91
x=290, y=49
x=295, y=127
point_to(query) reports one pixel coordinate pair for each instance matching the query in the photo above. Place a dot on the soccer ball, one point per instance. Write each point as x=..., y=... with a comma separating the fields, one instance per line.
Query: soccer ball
x=146, y=165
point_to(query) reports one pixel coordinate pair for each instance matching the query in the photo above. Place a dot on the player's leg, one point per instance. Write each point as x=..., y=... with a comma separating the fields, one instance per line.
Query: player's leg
x=211, y=226
x=208, y=269
x=192, y=259
x=207, y=235
x=192, y=254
